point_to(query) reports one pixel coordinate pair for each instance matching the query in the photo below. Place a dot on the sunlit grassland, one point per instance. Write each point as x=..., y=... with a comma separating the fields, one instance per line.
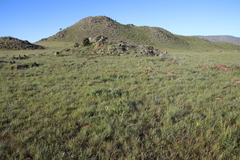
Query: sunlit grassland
x=78, y=106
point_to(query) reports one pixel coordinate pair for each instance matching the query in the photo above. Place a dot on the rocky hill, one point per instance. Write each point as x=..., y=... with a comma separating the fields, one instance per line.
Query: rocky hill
x=17, y=44
x=228, y=39
x=92, y=27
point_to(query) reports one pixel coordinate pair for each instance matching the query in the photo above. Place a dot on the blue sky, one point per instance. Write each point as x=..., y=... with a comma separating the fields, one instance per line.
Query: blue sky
x=33, y=20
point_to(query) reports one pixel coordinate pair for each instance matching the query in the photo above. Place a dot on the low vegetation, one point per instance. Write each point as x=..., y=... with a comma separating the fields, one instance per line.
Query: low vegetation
x=106, y=102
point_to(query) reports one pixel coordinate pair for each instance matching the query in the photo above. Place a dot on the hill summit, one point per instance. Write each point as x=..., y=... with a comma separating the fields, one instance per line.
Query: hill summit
x=17, y=44
x=102, y=25
x=92, y=27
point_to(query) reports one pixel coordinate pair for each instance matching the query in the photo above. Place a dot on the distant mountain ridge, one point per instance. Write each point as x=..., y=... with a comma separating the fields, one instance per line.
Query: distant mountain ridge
x=222, y=38
x=137, y=35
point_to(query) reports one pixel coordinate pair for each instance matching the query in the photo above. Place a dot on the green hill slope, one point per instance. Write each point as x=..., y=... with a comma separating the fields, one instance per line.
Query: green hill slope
x=158, y=37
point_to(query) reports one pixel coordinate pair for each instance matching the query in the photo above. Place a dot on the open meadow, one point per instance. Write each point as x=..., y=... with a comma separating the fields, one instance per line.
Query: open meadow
x=87, y=105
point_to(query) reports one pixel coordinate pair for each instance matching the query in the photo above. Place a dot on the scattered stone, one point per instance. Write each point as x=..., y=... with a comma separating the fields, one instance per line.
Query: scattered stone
x=20, y=57
x=56, y=53
x=169, y=63
x=218, y=99
x=113, y=71
x=24, y=66
x=12, y=62
x=221, y=67
x=150, y=71
x=235, y=67
x=145, y=71
x=204, y=67
x=3, y=61
x=18, y=67
x=26, y=57
x=147, y=52
x=238, y=82
x=79, y=124
x=168, y=73
x=148, y=67
x=34, y=64
x=98, y=44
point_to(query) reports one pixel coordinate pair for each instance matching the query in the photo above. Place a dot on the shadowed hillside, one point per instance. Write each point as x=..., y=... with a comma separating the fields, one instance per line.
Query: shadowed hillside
x=17, y=44
x=158, y=37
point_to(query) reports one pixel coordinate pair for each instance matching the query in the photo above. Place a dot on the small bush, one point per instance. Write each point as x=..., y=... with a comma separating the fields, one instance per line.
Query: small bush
x=86, y=42
x=76, y=45
x=98, y=38
x=150, y=48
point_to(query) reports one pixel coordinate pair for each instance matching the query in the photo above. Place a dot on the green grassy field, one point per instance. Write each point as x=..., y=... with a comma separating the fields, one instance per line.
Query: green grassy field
x=80, y=105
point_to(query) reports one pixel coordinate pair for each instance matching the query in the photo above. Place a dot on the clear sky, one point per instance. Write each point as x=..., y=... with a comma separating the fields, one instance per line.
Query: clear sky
x=33, y=20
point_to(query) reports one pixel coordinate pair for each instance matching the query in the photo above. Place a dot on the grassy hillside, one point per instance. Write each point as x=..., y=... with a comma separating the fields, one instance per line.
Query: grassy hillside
x=95, y=26
x=158, y=37
x=82, y=104
x=17, y=44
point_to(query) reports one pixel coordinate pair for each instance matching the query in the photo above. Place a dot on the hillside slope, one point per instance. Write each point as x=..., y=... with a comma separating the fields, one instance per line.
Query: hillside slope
x=17, y=44
x=228, y=39
x=158, y=37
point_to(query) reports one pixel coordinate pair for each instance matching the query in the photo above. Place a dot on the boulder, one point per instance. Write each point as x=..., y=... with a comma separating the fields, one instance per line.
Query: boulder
x=221, y=67
x=17, y=67
x=56, y=53
x=98, y=44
